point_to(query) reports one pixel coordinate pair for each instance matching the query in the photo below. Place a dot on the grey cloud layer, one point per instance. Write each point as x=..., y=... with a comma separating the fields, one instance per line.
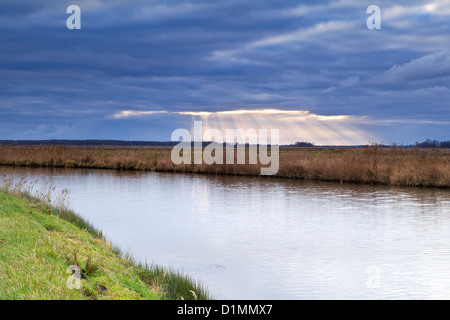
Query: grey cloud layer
x=220, y=55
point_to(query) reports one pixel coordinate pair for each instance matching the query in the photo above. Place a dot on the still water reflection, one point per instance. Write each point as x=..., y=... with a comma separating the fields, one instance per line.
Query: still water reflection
x=251, y=238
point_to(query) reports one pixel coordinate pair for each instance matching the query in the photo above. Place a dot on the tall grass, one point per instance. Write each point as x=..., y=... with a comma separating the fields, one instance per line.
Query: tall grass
x=372, y=164
x=170, y=284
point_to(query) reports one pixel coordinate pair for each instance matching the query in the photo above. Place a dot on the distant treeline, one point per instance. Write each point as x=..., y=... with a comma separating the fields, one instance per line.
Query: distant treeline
x=97, y=143
x=119, y=143
x=301, y=145
x=433, y=144
x=122, y=143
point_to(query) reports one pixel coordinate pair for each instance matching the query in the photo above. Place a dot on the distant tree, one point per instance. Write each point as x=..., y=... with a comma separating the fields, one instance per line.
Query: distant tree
x=303, y=144
x=90, y=143
x=445, y=144
x=433, y=144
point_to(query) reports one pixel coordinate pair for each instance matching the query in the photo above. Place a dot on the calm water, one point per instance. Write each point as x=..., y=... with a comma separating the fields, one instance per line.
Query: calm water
x=251, y=238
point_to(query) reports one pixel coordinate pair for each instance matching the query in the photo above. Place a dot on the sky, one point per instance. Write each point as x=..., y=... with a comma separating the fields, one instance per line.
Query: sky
x=138, y=70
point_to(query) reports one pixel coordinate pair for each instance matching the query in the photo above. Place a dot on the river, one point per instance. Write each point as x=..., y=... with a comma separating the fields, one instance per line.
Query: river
x=266, y=238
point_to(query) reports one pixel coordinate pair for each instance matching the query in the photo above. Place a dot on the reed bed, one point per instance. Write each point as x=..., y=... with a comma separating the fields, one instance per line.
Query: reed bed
x=370, y=165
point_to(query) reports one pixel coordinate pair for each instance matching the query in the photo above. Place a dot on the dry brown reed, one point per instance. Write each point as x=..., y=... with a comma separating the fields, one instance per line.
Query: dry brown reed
x=372, y=164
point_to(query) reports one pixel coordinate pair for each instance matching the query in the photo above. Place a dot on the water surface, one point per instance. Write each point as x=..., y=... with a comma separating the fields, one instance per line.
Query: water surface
x=265, y=238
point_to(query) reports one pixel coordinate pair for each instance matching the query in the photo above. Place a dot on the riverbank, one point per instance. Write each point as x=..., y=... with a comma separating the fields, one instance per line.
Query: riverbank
x=41, y=243
x=394, y=166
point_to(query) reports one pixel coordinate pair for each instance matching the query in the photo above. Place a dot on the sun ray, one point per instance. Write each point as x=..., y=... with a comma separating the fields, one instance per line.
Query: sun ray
x=293, y=125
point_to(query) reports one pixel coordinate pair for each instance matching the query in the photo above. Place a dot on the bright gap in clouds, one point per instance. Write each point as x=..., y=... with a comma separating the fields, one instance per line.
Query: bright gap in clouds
x=293, y=125
x=130, y=113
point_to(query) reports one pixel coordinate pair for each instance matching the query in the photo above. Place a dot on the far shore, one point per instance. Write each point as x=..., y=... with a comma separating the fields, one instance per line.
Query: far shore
x=395, y=166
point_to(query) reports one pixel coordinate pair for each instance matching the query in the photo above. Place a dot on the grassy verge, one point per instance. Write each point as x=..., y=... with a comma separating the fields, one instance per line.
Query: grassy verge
x=371, y=165
x=39, y=242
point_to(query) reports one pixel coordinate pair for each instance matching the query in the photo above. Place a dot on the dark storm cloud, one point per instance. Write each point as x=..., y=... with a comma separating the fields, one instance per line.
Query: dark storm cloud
x=216, y=55
x=433, y=66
